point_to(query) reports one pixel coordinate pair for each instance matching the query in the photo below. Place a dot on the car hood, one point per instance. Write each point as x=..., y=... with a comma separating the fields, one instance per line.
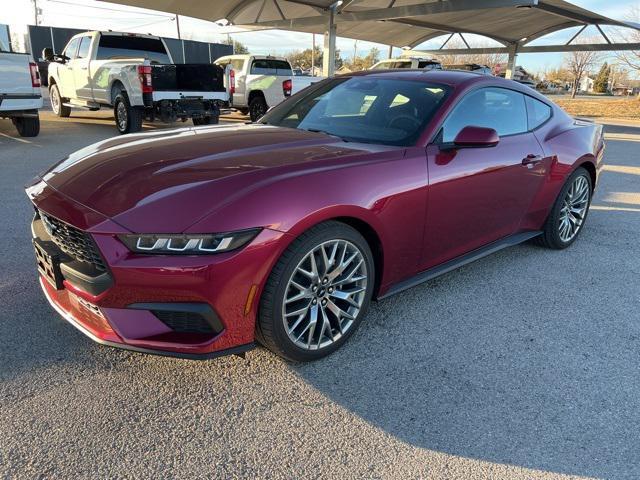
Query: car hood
x=167, y=180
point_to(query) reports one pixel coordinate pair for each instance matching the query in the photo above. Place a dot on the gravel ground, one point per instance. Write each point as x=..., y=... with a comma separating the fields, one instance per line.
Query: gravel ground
x=521, y=365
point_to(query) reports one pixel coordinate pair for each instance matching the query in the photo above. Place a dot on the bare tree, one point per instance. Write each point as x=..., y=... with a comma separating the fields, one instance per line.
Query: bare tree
x=631, y=58
x=488, y=59
x=578, y=63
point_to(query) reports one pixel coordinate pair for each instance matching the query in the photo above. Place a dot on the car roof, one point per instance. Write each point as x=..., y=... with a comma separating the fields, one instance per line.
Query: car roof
x=245, y=56
x=452, y=78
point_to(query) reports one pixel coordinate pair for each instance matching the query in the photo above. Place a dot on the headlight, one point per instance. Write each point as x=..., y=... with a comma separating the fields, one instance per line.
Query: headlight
x=189, y=244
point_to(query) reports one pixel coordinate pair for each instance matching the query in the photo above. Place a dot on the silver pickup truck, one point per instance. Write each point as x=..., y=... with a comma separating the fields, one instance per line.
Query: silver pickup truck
x=20, y=96
x=136, y=76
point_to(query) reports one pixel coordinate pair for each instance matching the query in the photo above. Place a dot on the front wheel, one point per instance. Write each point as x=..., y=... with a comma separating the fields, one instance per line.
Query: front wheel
x=569, y=212
x=57, y=102
x=128, y=118
x=317, y=294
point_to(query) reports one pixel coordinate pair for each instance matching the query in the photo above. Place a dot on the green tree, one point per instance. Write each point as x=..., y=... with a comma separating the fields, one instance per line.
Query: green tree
x=302, y=58
x=363, y=63
x=601, y=84
x=238, y=47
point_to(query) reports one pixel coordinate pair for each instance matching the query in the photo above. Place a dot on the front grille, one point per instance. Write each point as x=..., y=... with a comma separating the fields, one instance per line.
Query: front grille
x=74, y=242
x=184, y=322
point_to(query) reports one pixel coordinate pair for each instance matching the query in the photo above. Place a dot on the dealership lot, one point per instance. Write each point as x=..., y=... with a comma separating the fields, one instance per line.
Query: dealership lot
x=521, y=365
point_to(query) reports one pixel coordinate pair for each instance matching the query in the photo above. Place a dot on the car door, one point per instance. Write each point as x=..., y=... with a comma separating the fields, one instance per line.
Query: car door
x=479, y=195
x=80, y=69
x=66, y=82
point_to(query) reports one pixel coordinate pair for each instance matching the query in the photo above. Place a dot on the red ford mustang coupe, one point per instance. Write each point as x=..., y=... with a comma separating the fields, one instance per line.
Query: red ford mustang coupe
x=197, y=242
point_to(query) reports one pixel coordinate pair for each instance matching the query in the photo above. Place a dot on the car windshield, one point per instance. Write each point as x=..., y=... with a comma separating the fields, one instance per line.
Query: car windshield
x=362, y=109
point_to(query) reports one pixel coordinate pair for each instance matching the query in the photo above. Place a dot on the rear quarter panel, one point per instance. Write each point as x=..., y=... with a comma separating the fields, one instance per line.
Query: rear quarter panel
x=570, y=144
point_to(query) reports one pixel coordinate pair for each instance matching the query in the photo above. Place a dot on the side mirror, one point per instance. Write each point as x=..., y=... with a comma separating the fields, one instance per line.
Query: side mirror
x=61, y=58
x=47, y=54
x=476, y=137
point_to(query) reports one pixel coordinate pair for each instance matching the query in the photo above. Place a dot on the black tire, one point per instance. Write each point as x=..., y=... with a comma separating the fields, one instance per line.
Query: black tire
x=57, y=105
x=208, y=120
x=550, y=237
x=201, y=121
x=257, y=108
x=27, y=126
x=270, y=327
x=128, y=118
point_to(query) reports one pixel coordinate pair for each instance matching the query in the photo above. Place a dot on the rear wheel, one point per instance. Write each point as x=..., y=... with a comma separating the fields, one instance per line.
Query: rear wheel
x=317, y=294
x=569, y=212
x=208, y=120
x=57, y=102
x=27, y=126
x=128, y=118
x=257, y=108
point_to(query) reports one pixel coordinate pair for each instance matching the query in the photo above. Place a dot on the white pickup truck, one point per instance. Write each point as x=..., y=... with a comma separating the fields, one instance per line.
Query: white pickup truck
x=20, y=96
x=260, y=82
x=135, y=75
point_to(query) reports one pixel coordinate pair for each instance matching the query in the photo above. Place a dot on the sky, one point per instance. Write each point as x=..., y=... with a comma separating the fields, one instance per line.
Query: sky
x=98, y=15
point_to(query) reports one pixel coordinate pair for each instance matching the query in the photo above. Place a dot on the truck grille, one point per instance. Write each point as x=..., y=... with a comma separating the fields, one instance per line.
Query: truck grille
x=72, y=241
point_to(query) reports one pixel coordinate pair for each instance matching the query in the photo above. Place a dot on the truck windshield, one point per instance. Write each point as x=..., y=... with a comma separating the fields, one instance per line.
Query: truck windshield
x=113, y=47
x=363, y=109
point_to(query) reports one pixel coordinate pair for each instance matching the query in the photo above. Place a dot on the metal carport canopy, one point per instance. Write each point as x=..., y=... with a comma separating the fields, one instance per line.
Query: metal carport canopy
x=394, y=22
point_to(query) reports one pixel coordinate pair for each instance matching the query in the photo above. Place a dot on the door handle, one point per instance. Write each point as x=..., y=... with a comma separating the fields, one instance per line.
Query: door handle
x=531, y=159
x=84, y=68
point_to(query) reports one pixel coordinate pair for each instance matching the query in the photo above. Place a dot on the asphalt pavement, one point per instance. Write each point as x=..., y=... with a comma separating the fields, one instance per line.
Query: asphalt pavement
x=521, y=365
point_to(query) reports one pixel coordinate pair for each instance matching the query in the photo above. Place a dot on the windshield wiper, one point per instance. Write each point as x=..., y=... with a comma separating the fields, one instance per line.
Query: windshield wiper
x=318, y=130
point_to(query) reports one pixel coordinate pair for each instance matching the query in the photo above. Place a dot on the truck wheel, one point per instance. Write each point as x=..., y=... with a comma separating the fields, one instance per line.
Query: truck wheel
x=27, y=126
x=257, y=108
x=202, y=121
x=57, y=102
x=128, y=118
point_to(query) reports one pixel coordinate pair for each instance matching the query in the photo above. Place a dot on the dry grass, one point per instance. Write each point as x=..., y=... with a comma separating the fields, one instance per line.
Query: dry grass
x=601, y=107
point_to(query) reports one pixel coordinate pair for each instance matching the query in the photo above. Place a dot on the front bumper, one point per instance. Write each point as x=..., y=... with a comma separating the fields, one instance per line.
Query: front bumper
x=194, y=307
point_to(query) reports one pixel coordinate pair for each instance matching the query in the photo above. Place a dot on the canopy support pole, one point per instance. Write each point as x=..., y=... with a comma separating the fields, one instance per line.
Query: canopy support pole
x=329, y=54
x=511, y=63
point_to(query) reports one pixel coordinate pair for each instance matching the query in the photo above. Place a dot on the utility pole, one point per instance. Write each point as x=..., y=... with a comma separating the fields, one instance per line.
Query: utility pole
x=35, y=11
x=355, y=51
x=390, y=52
x=313, y=54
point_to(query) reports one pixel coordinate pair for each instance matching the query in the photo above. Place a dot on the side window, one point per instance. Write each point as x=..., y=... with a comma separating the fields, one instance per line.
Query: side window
x=5, y=44
x=237, y=65
x=83, y=51
x=537, y=112
x=70, y=49
x=498, y=108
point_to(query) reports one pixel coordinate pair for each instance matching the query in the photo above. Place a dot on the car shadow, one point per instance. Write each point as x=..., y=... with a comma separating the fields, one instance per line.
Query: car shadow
x=535, y=372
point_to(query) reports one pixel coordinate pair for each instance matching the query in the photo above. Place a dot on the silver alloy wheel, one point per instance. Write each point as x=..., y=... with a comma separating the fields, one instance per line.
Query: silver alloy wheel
x=55, y=100
x=121, y=112
x=574, y=209
x=325, y=294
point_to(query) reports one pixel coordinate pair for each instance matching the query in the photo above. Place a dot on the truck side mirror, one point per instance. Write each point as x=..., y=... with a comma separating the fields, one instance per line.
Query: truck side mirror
x=47, y=54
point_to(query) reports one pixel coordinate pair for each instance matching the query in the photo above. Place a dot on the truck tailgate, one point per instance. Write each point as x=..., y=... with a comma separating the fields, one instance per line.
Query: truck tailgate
x=188, y=78
x=15, y=77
